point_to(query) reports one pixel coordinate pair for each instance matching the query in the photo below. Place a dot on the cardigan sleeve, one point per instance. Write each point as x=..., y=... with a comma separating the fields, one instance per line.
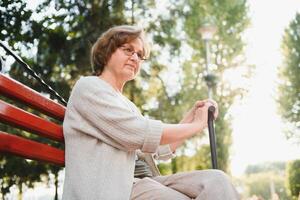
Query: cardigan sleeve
x=163, y=152
x=106, y=117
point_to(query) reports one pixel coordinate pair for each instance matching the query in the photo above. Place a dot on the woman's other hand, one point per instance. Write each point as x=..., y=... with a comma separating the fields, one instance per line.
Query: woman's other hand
x=189, y=116
x=201, y=116
x=214, y=103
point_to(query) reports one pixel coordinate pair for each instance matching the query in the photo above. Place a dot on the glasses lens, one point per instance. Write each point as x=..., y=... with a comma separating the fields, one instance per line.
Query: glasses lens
x=130, y=52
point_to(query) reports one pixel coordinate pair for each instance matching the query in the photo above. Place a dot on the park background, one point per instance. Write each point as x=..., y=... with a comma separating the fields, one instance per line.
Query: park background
x=254, y=75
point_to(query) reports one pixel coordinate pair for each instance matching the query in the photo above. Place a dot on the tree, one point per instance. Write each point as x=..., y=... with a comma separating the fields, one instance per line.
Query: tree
x=178, y=35
x=289, y=86
x=227, y=49
x=277, y=167
x=293, y=178
x=19, y=172
x=264, y=178
x=260, y=184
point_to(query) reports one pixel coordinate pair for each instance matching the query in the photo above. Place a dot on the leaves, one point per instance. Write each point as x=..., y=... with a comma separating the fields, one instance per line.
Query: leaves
x=289, y=86
x=294, y=177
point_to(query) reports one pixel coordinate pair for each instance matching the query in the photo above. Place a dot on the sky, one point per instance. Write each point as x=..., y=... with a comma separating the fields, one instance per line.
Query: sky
x=257, y=128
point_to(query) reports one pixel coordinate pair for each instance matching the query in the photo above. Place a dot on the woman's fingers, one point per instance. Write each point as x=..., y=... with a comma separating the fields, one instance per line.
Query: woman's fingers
x=201, y=115
x=208, y=102
x=200, y=103
x=214, y=103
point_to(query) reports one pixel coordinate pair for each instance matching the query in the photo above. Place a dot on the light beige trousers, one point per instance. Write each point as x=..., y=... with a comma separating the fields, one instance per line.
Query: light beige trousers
x=198, y=185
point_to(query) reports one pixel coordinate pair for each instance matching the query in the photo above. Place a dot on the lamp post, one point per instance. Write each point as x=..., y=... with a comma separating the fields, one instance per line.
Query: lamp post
x=207, y=32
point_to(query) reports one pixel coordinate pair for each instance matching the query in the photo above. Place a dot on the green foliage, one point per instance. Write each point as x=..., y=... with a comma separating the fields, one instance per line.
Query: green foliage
x=226, y=46
x=19, y=172
x=184, y=163
x=260, y=179
x=293, y=178
x=164, y=168
x=260, y=184
x=265, y=167
x=14, y=16
x=289, y=87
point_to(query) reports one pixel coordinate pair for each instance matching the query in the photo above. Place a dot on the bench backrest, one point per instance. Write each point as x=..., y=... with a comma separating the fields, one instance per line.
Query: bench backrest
x=48, y=126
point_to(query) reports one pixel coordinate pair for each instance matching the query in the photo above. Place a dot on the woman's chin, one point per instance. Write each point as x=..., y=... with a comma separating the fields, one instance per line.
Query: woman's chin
x=130, y=77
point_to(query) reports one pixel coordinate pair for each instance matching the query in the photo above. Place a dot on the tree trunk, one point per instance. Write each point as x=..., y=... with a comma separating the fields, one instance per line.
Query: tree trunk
x=2, y=194
x=174, y=165
x=20, y=191
x=56, y=186
x=2, y=189
x=132, y=12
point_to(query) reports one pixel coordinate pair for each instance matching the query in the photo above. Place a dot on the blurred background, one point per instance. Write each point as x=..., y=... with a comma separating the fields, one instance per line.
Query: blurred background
x=244, y=54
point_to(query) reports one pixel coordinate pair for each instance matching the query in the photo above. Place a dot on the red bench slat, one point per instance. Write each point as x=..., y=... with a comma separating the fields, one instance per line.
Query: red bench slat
x=13, y=89
x=40, y=125
x=30, y=149
x=27, y=121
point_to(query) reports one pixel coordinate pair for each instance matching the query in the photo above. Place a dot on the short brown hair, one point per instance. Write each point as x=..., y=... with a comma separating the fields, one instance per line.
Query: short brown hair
x=112, y=39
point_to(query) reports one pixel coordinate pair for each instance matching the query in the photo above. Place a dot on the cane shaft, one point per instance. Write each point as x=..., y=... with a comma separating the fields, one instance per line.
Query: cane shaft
x=212, y=137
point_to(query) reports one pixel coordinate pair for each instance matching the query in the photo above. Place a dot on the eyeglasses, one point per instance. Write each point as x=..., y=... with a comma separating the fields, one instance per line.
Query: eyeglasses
x=129, y=51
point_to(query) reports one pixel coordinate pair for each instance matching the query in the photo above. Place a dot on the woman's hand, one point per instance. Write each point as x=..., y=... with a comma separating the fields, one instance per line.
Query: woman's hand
x=189, y=116
x=194, y=121
x=201, y=116
x=201, y=113
x=216, y=113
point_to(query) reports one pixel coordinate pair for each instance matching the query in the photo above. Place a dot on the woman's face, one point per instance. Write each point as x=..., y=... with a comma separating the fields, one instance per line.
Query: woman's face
x=125, y=62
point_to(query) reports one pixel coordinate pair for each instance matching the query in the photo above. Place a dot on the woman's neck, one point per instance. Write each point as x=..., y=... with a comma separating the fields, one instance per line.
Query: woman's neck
x=113, y=81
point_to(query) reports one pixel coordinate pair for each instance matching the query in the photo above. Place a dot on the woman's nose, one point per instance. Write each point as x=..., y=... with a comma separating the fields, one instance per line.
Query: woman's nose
x=134, y=57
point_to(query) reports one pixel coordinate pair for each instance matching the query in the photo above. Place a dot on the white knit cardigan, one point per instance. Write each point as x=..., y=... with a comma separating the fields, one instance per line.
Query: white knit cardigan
x=102, y=131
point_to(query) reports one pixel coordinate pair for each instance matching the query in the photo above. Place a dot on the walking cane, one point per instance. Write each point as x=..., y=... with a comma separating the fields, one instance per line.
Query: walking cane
x=212, y=138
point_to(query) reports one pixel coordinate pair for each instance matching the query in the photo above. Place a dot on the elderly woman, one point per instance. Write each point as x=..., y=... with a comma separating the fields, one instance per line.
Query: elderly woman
x=105, y=134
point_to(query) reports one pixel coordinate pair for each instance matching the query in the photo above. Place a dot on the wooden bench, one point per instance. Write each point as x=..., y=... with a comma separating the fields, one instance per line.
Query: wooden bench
x=42, y=125
x=45, y=120
x=17, y=117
